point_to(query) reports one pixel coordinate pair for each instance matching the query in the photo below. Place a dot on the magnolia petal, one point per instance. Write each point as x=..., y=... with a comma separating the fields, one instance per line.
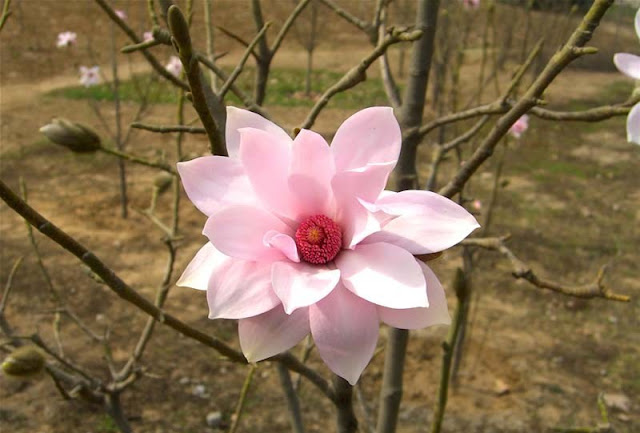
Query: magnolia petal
x=637, y=23
x=357, y=223
x=370, y=136
x=384, y=274
x=345, y=330
x=628, y=64
x=426, y=223
x=311, y=155
x=415, y=318
x=213, y=181
x=242, y=290
x=273, y=332
x=282, y=242
x=633, y=125
x=300, y=285
x=266, y=159
x=238, y=118
x=239, y=232
x=198, y=272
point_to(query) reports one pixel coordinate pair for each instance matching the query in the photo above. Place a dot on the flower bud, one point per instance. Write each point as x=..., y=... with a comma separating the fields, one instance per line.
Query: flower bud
x=24, y=362
x=74, y=136
x=162, y=182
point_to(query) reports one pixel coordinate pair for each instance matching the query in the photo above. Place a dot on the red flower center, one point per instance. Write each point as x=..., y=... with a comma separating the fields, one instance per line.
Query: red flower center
x=319, y=239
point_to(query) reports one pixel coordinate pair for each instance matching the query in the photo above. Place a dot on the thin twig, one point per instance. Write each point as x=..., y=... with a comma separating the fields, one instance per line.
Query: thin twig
x=237, y=414
x=6, y=13
x=293, y=403
x=167, y=129
x=357, y=74
x=238, y=69
x=138, y=160
x=520, y=269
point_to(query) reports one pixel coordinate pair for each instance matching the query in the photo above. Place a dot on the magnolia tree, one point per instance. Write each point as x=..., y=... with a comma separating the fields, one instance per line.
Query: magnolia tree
x=309, y=240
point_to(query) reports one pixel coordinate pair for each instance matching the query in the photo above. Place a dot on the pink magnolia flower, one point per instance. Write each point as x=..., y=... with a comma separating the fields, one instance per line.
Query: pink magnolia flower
x=304, y=239
x=471, y=4
x=174, y=66
x=147, y=36
x=520, y=126
x=121, y=14
x=89, y=76
x=66, y=39
x=629, y=65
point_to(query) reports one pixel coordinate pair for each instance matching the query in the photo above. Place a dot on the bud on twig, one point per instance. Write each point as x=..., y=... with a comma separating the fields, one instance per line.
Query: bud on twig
x=74, y=136
x=24, y=362
x=162, y=182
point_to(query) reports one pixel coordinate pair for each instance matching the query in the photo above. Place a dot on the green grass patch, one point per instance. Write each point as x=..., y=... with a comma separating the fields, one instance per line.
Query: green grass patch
x=285, y=88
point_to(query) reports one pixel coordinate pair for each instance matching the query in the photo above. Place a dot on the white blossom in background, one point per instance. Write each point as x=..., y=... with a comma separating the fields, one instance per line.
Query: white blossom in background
x=147, y=36
x=521, y=125
x=89, y=76
x=121, y=14
x=174, y=66
x=629, y=64
x=66, y=39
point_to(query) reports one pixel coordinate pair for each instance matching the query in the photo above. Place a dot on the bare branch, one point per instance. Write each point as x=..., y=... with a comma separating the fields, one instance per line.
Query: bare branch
x=238, y=69
x=357, y=74
x=167, y=129
x=520, y=269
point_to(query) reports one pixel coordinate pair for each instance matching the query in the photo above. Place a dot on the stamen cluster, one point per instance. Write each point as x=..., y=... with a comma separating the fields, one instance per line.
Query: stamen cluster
x=319, y=239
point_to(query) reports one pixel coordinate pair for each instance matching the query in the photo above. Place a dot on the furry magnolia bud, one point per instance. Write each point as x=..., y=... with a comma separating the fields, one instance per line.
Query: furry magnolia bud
x=162, y=182
x=74, y=136
x=24, y=362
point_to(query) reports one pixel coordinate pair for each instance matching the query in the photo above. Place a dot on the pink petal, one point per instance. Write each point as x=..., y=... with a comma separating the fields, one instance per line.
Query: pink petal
x=282, y=242
x=266, y=160
x=198, y=272
x=637, y=23
x=633, y=125
x=366, y=183
x=384, y=274
x=345, y=330
x=241, y=290
x=369, y=136
x=628, y=64
x=213, y=181
x=239, y=232
x=310, y=174
x=238, y=119
x=273, y=332
x=426, y=222
x=300, y=285
x=415, y=318
x=357, y=223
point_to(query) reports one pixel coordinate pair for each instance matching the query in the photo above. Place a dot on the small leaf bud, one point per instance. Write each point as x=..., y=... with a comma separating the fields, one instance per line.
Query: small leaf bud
x=24, y=362
x=74, y=136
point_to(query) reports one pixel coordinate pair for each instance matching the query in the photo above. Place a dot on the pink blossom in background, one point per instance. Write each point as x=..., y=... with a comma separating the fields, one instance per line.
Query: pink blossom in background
x=66, y=39
x=121, y=14
x=520, y=126
x=476, y=204
x=303, y=238
x=629, y=65
x=471, y=4
x=174, y=66
x=89, y=76
x=147, y=36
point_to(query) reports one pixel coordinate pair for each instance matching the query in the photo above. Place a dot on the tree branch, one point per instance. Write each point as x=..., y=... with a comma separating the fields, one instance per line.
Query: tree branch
x=520, y=269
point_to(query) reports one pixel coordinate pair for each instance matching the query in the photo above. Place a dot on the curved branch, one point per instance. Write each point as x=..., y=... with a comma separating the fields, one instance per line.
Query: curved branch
x=520, y=269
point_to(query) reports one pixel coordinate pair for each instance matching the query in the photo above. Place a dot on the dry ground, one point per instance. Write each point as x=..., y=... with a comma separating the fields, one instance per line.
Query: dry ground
x=571, y=204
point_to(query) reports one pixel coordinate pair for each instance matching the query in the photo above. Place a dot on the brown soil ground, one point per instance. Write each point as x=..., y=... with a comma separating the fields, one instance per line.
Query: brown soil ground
x=534, y=360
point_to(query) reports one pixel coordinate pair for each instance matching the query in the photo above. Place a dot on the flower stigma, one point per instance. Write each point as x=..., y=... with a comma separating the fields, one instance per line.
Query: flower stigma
x=319, y=239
